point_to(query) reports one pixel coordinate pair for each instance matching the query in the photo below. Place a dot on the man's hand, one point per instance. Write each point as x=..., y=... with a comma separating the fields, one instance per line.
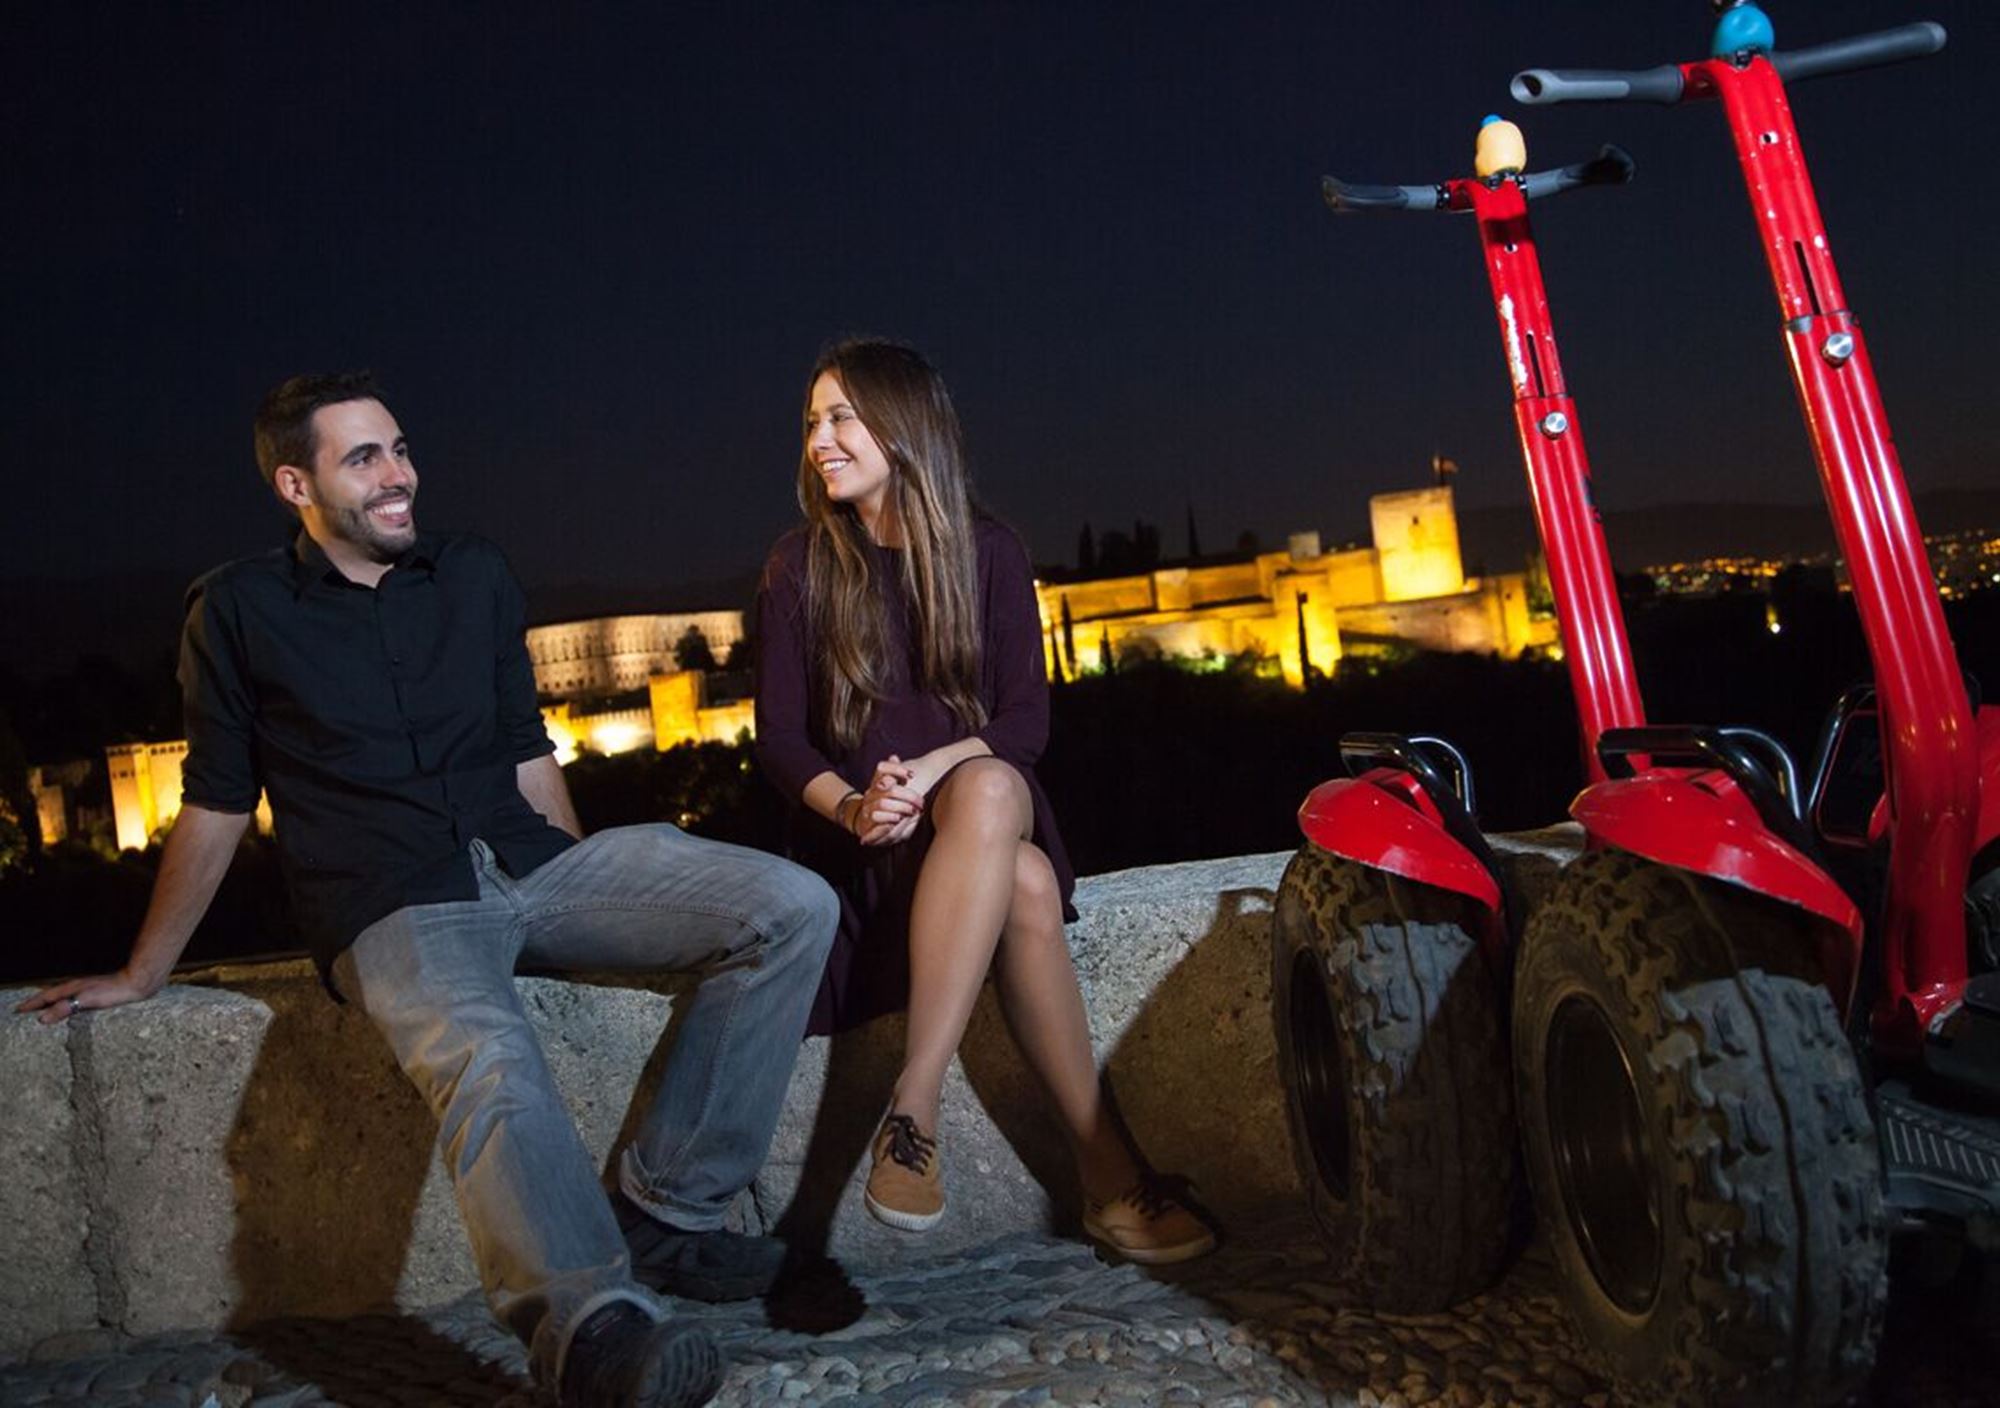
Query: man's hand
x=541, y=782
x=64, y=1000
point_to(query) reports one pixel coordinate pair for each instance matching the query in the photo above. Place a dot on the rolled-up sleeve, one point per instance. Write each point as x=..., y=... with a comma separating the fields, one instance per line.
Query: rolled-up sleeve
x=785, y=751
x=217, y=707
x=522, y=731
x=1018, y=731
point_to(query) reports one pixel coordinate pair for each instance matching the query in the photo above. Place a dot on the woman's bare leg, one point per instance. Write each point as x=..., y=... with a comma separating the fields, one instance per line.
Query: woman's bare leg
x=981, y=813
x=984, y=887
x=1044, y=1008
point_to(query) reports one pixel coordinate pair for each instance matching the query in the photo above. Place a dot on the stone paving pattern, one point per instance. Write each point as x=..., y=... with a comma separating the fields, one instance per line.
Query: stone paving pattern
x=1025, y=1320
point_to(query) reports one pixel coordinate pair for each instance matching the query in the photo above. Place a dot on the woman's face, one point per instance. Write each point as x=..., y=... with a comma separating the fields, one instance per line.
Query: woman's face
x=840, y=447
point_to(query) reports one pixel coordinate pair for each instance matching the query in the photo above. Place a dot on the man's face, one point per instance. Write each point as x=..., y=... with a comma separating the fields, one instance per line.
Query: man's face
x=363, y=486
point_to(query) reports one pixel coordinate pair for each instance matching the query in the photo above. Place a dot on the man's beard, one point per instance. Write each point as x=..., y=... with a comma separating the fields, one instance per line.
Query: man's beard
x=357, y=527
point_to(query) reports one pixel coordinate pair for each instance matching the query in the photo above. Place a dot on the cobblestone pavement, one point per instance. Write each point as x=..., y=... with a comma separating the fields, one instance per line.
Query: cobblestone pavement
x=1027, y=1320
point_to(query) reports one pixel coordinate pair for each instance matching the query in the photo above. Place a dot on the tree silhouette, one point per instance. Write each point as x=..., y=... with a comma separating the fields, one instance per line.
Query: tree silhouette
x=691, y=651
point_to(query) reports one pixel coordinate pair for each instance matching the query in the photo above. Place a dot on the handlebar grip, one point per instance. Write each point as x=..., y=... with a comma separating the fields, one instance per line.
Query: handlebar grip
x=1538, y=87
x=1610, y=167
x=1889, y=46
x=1345, y=196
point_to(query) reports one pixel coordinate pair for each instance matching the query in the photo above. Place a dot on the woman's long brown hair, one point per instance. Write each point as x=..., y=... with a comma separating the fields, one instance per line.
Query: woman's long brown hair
x=902, y=401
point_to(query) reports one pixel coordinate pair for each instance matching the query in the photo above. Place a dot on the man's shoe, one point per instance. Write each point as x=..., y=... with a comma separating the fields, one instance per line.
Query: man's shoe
x=906, y=1185
x=619, y=1357
x=1148, y=1224
x=711, y=1266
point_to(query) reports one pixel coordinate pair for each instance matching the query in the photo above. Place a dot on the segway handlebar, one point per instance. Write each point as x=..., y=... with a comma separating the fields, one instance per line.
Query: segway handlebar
x=1350, y=195
x=1539, y=87
x=1610, y=167
x=1889, y=46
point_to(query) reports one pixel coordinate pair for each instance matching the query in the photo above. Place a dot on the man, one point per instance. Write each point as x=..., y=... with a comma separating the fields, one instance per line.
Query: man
x=375, y=681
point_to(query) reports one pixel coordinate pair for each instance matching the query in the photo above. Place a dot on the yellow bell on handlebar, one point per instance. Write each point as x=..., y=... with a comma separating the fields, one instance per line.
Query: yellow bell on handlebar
x=1501, y=148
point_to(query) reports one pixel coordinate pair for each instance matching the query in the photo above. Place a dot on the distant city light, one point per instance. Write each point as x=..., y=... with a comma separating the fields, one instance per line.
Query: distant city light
x=1961, y=564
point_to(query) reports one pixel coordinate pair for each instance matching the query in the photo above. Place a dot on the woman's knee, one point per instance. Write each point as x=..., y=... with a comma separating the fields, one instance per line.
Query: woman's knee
x=987, y=794
x=1035, y=919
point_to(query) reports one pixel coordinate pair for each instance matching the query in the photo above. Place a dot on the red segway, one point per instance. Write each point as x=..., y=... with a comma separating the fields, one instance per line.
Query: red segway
x=1393, y=938
x=1662, y=981
x=1719, y=1176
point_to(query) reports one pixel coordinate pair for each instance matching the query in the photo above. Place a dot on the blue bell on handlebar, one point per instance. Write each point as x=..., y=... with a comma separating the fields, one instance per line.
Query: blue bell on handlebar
x=1742, y=29
x=1501, y=148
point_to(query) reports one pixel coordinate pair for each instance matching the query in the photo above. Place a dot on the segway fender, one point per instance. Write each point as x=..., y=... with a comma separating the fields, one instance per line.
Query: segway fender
x=1364, y=821
x=1700, y=822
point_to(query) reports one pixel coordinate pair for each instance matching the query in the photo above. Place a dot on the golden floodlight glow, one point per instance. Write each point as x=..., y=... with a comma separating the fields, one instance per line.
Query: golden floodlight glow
x=615, y=736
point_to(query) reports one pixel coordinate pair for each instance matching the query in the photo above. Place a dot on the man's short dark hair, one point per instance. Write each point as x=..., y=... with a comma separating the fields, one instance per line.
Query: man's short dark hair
x=284, y=428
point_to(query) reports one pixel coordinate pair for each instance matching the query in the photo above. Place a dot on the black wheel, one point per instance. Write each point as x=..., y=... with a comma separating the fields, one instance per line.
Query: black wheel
x=1698, y=1139
x=1982, y=911
x=1392, y=1047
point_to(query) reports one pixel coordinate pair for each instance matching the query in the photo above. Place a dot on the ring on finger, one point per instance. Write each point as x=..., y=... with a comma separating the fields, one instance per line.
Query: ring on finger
x=75, y=1005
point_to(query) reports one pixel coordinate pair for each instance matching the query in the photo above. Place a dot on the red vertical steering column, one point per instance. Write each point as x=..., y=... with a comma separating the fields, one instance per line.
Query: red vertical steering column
x=1931, y=754
x=1599, y=658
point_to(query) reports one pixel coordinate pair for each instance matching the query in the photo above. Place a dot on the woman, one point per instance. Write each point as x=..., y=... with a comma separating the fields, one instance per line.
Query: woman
x=901, y=701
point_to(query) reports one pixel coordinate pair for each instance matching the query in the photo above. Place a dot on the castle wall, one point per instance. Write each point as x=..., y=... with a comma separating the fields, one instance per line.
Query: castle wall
x=1490, y=617
x=1353, y=577
x=146, y=790
x=1227, y=608
x=612, y=654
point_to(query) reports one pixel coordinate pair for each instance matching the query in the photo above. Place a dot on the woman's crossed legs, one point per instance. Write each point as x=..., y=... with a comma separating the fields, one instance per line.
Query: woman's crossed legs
x=987, y=899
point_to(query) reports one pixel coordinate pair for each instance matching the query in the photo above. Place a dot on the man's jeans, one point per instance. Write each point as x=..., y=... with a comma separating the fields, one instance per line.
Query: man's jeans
x=438, y=980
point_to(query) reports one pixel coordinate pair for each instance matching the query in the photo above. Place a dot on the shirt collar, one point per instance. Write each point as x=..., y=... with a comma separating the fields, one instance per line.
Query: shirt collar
x=310, y=563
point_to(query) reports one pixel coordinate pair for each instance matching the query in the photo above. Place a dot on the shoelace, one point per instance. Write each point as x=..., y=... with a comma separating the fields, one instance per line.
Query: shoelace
x=907, y=1145
x=1156, y=1195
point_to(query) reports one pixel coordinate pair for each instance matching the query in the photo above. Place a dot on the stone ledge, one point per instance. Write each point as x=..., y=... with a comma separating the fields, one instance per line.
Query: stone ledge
x=241, y=1148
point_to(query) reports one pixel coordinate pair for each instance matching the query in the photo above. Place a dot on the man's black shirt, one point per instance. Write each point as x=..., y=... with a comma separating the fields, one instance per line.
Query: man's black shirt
x=385, y=723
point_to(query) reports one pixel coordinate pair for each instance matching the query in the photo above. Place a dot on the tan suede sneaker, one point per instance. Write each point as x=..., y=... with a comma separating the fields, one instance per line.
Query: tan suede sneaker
x=906, y=1185
x=1147, y=1224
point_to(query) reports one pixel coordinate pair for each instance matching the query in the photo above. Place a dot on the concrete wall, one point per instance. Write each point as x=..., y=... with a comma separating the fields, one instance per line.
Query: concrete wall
x=242, y=1147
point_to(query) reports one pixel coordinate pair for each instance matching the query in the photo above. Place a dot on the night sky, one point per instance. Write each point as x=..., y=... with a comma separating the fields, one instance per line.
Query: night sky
x=592, y=250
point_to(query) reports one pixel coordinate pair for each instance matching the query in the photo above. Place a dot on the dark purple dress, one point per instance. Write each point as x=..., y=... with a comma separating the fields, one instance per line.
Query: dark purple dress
x=868, y=972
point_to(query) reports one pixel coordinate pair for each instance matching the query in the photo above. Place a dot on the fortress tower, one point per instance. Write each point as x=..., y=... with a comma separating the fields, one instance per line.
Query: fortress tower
x=1416, y=538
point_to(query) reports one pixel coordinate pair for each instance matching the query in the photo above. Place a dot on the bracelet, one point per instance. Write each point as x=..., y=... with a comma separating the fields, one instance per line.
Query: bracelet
x=848, y=826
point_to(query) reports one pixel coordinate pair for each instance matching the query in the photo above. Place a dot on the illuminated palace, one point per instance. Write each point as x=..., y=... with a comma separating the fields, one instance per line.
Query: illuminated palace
x=585, y=667
x=586, y=674
x=1302, y=608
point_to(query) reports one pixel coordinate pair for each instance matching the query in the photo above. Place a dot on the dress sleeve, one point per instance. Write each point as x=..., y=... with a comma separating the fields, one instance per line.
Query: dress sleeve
x=785, y=750
x=217, y=705
x=1019, y=728
x=522, y=731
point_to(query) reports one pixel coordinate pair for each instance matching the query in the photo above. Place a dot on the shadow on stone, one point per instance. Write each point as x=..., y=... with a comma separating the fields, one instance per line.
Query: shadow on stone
x=860, y=1073
x=381, y=1360
x=328, y=1157
x=814, y=1296
x=1194, y=1064
x=861, y=1067
x=1014, y=1098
